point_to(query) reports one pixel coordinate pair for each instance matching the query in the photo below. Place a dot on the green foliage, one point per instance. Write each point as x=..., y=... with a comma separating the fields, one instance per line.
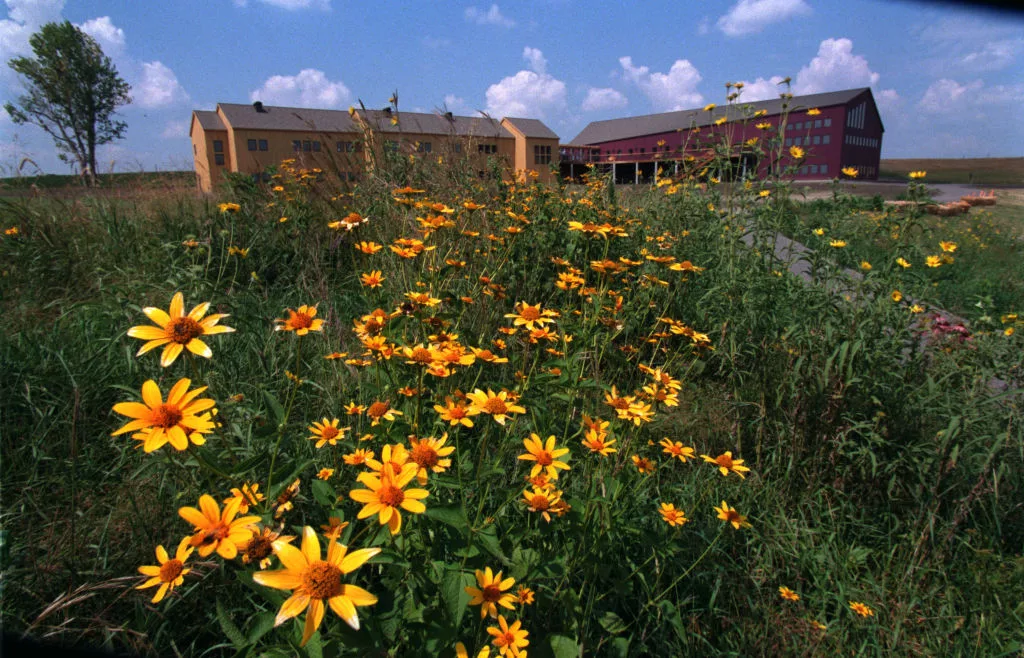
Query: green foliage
x=72, y=93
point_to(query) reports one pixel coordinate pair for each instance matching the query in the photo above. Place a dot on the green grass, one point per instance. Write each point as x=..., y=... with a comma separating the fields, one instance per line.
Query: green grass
x=129, y=180
x=884, y=470
x=966, y=171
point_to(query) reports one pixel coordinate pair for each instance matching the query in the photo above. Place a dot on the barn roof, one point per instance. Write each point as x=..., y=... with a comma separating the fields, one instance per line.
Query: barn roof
x=434, y=124
x=532, y=128
x=209, y=120
x=273, y=117
x=609, y=130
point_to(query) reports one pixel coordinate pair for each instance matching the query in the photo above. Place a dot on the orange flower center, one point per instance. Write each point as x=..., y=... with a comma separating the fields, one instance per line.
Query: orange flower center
x=491, y=593
x=260, y=547
x=530, y=313
x=170, y=570
x=619, y=403
x=539, y=502
x=183, y=329
x=486, y=355
x=732, y=516
x=166, y=416
x=495, y=406
x=457, y=412
x=377, y=409
x=329, y=432
x=390, y=495
x=505, y=640
x=544, y=458
x=322, y=580
x=213, y=535
x=725, y=461
x=300, y=321
x=424, y=455
x=421, y=355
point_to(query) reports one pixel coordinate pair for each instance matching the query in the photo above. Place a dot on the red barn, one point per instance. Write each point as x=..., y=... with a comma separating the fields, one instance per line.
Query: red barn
x=845, y=131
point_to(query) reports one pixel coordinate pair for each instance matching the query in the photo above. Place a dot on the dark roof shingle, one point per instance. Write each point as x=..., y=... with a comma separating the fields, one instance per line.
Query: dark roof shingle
x=245, y=117
x=532, y=128
x=434, y=124
x=209, y=120
x=598, y=132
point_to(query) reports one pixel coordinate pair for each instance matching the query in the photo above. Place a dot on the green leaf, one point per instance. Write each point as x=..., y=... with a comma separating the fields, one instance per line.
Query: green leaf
x=523, y=561
x=453, y=516
x=612, y=623
x=453, y=593
x=564, y=647
x=230, y=629
x=261, y=626
x=275, y=407
x=488, y=540
x=620, y=647
x=324, y=493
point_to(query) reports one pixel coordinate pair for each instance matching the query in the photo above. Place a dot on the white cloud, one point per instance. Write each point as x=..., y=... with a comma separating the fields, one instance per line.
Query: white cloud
x=23, y=18
x=949, y=97
x=762, y=90
x=970, y=44
x=533, y=93
x=993, y=56
x=603, y=99
x=157, y=86
x=456, y=104
x=675, y=90
x=291, y=5
x=492, y=16
x=751, y=16
x=310, y=88
x=536, y=59
x=175, y=130
x=888, y=99
x=109, y=36
x=835, y=67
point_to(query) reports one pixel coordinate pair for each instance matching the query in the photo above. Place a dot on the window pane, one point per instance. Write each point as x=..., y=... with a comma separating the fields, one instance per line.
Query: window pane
x=263, y=145
x=218, y=158
x=826, y=139
x=296, y=145
x=316, y=146
x=218, y=146
x=251, y=144
x=817, y=139
x=307, y=145
x=824, y=169
x=817, y=123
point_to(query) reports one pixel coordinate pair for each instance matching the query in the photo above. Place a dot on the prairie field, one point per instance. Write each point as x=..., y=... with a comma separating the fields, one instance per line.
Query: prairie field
x=968, y=171
x=429, y=412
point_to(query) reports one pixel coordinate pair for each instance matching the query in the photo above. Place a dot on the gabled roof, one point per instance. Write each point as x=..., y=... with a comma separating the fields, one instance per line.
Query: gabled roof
x=273, y=117
x=209, y=120
x=434, y=124
x=531, y=128
x=598, y=132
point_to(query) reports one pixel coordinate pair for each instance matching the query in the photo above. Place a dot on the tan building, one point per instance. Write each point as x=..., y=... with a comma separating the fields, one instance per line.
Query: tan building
x=251, y=138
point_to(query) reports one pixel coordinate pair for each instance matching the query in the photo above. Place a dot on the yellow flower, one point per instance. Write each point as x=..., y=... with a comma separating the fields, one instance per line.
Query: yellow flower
x=597, y=441
x=813, y=112
x=671, y=515
x=259, y=549
x=178, y=331
x=372, y=279
x=489, y=595
x=866, y=266
x=531, y=317
x=896, y=296
x=369, y=247
x=709, y=107
x=301, y=321
x=455, y=413
x=169, y=573
x=851, y=172
x=545, y=455
x=861, y=609
x=677, y=449
x=461, y=652
x=914, y=175
x=819, y=232
x=428, y=454
x=249, y=494
x=720, y=120
x=903, y=262
x=381, y=410
x=229, y=207
x=764, y=125
x=13, y=231
x=524, y=595
x=216, y=531
x=325, y=474
x=917, y=308
x=948, y=247
x=643, y=464
x=499, y=406
x=543, y=500
x=764, y=193
x=727, y=464
x=326, y=432
x=933, y=261
x=796, y=152
x=730, y=515
x=314, y=582
x=384, y=496
x=177, y=421
x=838, y=244
x=788, y=594
x=509, y=639
x=358, y=457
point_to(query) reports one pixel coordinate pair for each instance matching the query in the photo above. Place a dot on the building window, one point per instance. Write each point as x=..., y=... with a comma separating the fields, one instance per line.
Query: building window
x=798, y=125
x=252, y=144
x=391, y=145
x=824, y=169
x=263, y=145
x=458, y=147
x=346, y=147
x=817, y=123
x=814, y=169
x=487, y=149
x=641, y=150
x=817, y=139
x=218, y=146
x=316, y=146
x=630, y=150
x=827, y=123
x=424, y=147
x=218, y=158
x=541, y=155
x=296, y=145
x=825, y=139
x=803, y=170
x=807, y=140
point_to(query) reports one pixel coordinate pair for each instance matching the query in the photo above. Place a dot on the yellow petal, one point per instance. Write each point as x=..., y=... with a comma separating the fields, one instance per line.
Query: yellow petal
x=171, y=352
x=291, y=557
x=194, y=517
x=199, y=348
x=147, y=332
x=314, y=616
x=310, y=545
x=344, y=608
x=279, y=579
x=177, y=305
x=210, y=508
x=356, y=559
x=157, y=315
x=199, y=311
x=151, y=394
x=152, y=345
x=294, y=606
x=414, y=506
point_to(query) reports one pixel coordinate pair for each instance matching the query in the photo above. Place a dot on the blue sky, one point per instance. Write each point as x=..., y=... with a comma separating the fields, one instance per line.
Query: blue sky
x=949, y=81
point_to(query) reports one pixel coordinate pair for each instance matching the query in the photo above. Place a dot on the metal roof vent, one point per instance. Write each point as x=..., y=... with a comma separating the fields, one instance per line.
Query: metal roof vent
x=449, y=116
x=258, y=106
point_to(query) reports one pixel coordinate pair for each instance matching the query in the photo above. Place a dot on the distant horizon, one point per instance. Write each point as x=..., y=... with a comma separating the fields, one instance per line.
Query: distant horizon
x=948, y=80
